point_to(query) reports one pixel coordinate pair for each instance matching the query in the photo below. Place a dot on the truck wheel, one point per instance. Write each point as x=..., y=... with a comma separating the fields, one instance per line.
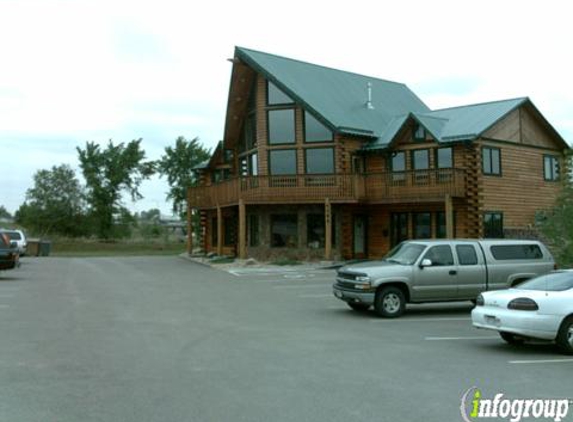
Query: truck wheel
x=357, y=306
x=510, y=338
x=390, y=302
x=565, y=336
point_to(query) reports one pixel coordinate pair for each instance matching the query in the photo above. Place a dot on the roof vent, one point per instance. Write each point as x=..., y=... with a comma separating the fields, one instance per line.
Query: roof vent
x=369, y=105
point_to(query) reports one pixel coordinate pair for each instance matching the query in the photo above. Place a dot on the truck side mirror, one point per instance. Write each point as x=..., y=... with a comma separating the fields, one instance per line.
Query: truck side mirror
x=426, y=263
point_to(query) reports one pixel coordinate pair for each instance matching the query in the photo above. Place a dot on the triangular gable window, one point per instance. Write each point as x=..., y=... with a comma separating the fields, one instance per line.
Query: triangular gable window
x=275, y=96
x=315, y=131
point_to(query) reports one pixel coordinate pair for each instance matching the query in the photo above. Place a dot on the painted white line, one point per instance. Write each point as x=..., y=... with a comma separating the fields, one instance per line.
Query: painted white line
x=316, y=296
x=419, y=319
x=4, y=306
x=541, y=361
x=6, y=295
x=460, y=338
x=303, y=286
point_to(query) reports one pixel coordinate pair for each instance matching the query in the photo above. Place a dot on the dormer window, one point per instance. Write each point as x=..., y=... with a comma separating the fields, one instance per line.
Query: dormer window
x=419, y=133
x=275, y=96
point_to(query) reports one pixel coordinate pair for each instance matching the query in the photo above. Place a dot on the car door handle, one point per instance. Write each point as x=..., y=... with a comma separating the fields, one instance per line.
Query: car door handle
x=453, y=272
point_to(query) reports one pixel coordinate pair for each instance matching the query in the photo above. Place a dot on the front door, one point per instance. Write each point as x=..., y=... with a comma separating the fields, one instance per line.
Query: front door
x=398, y=227
x=360, y=236
x=438, y=281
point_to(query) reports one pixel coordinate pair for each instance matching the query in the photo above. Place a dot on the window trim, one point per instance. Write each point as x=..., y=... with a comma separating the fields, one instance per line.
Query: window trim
x=554, y=178
x=304, y=113
x=306, y=161
x=269, y=158
x=491, y=173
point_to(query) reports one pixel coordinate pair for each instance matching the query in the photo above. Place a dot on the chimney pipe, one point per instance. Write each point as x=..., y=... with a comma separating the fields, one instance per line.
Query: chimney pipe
x=369, y=105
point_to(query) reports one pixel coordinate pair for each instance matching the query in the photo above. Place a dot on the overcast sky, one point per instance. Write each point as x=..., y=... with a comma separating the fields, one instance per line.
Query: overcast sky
x=76, y=71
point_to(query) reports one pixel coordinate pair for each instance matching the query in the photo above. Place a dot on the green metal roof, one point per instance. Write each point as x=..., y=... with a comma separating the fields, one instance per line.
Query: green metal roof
x=336, y=97
x=455, y=123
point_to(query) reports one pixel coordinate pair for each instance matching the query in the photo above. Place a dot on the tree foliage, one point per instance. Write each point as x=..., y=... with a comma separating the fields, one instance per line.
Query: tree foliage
x=109, y=173
x=557, y=224
x=55, y=204
x=177, y=164
x=4, y=212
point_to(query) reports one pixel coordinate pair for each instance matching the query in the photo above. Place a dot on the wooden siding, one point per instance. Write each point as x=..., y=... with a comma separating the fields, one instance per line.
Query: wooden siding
x=521, y=190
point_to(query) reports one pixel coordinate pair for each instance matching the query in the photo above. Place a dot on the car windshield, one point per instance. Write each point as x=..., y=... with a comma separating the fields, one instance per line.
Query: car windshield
x=405, y=253
x=14, y=235
x=553, y=282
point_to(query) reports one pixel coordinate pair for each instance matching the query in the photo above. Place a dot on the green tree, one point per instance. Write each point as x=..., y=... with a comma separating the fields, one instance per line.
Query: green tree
x=153, y=215
x=177, y=164
x=4, y=212
x=109, y=173
x=557, y=224
x=55, y=204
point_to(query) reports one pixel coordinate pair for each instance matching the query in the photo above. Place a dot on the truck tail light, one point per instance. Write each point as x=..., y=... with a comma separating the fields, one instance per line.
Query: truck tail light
x=523, y=304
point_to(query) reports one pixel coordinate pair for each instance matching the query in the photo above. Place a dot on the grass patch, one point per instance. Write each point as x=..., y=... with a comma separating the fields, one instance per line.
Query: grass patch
x=286, y=261
x=86, y=248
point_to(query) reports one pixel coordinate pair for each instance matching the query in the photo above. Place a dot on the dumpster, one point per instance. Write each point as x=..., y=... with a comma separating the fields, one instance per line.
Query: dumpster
x=33, y=247
x=45, y=247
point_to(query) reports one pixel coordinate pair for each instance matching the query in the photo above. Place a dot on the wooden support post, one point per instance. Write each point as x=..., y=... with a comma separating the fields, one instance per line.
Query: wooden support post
x=327, y=230
x=449, y=217
x=219, y=231
x=189, y=230
x=242, y=230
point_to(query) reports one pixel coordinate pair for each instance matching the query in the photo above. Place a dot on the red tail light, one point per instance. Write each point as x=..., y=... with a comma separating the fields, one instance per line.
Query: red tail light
x=523, y=304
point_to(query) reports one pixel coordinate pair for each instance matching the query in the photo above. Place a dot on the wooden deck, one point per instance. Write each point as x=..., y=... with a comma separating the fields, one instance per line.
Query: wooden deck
x=409, y=186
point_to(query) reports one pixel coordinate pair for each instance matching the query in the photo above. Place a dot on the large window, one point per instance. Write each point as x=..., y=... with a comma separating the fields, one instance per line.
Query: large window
x=319, y=160
x=550, y=168
x=398, y=166
x=444, y=158
x=314, y=131
x=421, y=159
x=398, y=227
x=284, y=230
x=282, y=161
x=275, y=96
x=440, y=255
x=315, y=230
x=422, y=225
x=281, y=126
x=493, y=224
x=249, y=134
x=491, y=161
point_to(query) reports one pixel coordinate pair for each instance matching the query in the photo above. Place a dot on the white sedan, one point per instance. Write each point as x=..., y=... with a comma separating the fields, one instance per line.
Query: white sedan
x=540, y=308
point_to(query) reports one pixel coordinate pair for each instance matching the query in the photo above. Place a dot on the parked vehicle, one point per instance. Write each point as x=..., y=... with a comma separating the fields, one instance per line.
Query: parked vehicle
x=420, y=271
x=541, y=308
x=9, y=257
x=18, y=237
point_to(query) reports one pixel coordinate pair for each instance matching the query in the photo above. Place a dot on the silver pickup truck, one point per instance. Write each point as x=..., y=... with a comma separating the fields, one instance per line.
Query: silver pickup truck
x=420, y=271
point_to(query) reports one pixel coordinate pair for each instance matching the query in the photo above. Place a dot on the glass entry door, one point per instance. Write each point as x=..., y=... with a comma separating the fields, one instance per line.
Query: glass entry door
x=398, y=227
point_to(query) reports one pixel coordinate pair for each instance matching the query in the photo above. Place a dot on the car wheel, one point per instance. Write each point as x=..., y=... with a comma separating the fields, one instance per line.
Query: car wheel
x=511, y=338
x=565, y=336
x=390, y=302
x=357, y=306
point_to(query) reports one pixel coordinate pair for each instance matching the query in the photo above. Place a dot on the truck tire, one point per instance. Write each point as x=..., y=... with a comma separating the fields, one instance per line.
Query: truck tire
x=357, y=306
x=390, y=302
x=510, y=338
x=565, y=336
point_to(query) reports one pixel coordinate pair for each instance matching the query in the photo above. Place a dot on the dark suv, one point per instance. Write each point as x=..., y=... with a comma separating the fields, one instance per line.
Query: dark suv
x=9, y=257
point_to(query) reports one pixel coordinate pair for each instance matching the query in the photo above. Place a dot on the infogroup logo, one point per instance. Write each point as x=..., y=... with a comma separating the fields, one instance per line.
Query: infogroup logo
x=475, y=407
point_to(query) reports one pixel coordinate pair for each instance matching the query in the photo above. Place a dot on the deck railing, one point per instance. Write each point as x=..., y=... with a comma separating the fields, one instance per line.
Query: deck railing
x=371, y=188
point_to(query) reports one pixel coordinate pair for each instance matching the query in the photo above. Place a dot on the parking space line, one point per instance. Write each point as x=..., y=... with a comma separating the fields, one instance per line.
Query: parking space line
x=420, y=319
x=540, y=361
x=460, y=338
x=6, y=296
x=4, y=306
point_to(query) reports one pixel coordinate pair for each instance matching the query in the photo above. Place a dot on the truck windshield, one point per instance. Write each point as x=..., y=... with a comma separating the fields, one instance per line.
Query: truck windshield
x=405, y=253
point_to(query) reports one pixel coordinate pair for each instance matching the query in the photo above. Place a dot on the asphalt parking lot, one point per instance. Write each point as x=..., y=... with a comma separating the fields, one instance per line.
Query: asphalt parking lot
x=162, y=338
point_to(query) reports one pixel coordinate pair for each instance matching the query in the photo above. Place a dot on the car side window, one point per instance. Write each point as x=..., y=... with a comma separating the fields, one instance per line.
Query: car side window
x=440, y=256
x=466, y=255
